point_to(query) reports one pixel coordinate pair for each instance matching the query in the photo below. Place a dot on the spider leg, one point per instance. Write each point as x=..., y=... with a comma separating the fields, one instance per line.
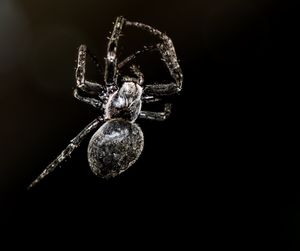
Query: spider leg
x=111, y=69
x=74, y=143
x=82, y=84
x=159, y=116
x=168, y=54
x=91, y=101
x=134, y=55
x=150, y=99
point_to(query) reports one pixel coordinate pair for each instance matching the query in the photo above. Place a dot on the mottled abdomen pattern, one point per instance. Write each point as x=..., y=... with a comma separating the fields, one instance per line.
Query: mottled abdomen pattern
x=115, y=147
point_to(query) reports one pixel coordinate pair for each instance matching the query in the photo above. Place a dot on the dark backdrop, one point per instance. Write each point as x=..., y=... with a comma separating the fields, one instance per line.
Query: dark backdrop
x=208, y=175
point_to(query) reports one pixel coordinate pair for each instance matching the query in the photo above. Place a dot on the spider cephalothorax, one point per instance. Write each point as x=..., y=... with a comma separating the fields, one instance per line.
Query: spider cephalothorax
x=125, y=103
x=119, y=141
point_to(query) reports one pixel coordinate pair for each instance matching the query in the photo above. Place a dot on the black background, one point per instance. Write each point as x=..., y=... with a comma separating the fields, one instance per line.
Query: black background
x=218, y=172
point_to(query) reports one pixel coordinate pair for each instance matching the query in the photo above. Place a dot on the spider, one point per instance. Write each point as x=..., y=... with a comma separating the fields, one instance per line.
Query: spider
x=119, y=141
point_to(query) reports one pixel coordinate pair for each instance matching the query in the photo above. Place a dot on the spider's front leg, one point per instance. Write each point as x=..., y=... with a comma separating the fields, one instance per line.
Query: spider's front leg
x=168, y=54
x=74, y=143
x=84, y=86
x=111, y=69
x=169, y=57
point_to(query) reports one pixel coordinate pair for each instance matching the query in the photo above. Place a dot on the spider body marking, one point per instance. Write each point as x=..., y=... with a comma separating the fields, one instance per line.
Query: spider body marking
x=119, y=141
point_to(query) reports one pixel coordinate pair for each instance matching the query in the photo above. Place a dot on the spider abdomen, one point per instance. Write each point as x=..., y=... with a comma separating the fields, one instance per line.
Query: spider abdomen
x=115, y=147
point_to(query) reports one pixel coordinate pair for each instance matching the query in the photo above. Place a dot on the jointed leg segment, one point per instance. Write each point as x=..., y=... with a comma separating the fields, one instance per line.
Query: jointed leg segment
x=74, y=143
x=82, y=84
x=167, y=51
x=159, y=116
x=111, y=69
x=91, y=101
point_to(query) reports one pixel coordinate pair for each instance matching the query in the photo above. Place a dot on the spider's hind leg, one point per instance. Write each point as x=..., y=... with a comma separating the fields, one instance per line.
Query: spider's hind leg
x=74, y=143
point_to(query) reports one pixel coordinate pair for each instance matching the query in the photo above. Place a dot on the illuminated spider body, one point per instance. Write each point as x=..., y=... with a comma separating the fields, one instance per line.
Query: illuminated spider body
x=119, y=141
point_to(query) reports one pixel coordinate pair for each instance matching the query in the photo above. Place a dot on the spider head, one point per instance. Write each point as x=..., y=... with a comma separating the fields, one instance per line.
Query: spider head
x=130, y=89
x=126, y=101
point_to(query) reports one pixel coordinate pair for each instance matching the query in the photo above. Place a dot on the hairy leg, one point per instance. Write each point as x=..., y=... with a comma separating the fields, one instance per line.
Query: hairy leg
x=134, y=55
x=74, y=143
x=159, y=116
x=168, y=54
x=81, y=82
x=111, y=69
x=91, y=101
x=84, y=86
